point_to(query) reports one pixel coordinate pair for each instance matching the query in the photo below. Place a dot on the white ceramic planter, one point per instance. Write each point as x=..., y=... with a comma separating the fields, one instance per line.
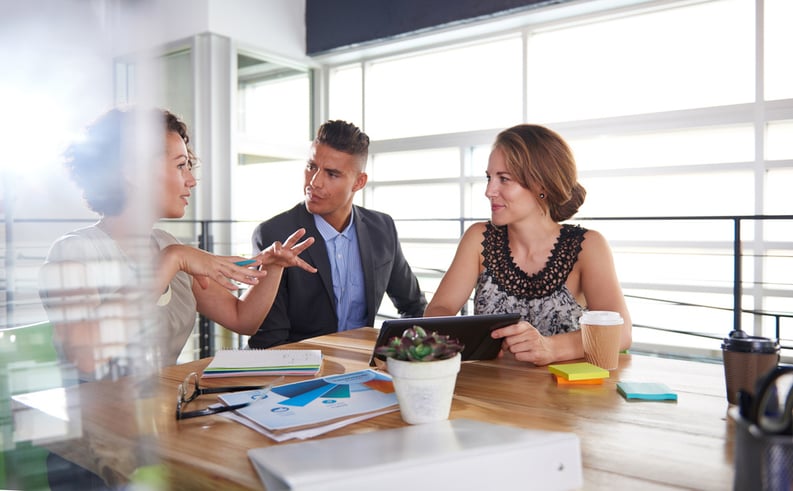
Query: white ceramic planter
x=424, y=388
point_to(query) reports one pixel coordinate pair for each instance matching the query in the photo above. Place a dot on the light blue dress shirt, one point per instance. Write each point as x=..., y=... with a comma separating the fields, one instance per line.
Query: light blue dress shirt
x=347, y=273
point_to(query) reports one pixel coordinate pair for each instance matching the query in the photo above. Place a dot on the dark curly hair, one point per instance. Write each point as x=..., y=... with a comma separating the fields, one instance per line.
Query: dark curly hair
x=542, y=162
x=96, y=163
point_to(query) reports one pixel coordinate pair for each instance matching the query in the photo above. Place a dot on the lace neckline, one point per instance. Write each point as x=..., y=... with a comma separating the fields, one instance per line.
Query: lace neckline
x=508, y=277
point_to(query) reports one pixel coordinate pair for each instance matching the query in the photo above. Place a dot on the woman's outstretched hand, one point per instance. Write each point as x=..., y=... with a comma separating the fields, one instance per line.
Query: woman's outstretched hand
x=206, y=267
x=286, y=254
x=225, y=270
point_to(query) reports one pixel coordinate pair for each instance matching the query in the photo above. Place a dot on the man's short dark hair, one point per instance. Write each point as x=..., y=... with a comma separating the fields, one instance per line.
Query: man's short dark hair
x=344, y=137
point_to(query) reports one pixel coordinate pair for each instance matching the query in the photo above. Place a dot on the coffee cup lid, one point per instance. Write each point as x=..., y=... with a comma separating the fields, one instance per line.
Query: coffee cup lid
x=740, y=341
x=601, y=318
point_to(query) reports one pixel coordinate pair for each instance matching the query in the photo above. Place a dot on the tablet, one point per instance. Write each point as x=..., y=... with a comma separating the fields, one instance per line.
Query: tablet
x=471, y=330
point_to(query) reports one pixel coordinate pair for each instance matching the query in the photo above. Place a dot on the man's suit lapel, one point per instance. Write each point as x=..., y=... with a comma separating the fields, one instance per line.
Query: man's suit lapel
x=367, y=262
x=317, y=254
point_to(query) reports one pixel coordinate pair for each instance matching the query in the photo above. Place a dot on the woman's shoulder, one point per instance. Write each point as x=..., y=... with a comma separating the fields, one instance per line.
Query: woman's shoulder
x=480, y=227
x=593, y=241
x=78, y=245
x=591, y=235
x=163, y=238
x=477, y=231
x=570, y=230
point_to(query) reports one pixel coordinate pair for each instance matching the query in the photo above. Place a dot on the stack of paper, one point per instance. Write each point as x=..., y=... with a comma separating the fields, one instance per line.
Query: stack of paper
x=235, y=363
x=312, y=407
x=445, y=455
x=578, y=373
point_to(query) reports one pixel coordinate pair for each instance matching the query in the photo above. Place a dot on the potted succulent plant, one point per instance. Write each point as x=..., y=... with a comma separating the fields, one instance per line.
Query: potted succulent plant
x=424, y=368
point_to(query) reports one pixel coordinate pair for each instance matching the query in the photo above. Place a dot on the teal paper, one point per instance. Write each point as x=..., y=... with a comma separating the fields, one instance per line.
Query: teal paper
x=647, y=391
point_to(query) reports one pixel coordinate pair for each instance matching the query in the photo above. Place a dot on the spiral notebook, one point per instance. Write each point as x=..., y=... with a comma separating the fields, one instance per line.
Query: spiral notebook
x=250, y=362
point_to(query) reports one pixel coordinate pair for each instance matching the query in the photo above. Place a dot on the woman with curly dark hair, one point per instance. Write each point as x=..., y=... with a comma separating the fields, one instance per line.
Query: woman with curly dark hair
x=121, y=292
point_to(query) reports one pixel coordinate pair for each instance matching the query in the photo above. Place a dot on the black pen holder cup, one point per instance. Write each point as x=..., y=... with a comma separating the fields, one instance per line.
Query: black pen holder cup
x=762, y=462
x=747, y=358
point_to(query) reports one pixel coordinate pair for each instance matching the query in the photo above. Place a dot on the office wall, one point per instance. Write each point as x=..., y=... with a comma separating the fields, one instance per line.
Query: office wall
x=146, y=25
x=274, y=26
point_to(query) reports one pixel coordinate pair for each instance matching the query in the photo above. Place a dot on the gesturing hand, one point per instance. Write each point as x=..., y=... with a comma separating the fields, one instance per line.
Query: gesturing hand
x=204, y=267
x=286, y=254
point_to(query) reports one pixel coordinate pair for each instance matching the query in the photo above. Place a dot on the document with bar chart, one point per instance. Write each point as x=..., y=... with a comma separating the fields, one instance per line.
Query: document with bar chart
x=323, y=400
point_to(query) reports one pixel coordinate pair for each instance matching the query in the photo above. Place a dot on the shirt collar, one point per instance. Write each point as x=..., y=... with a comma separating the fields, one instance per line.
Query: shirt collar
x=327, y=231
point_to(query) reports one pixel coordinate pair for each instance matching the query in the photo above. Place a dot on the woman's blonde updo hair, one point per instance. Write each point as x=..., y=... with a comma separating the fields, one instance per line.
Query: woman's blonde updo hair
x=540, y=161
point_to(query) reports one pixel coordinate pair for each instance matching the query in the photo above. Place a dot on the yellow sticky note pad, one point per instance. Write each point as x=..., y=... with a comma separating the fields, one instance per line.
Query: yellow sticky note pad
x=579, y=371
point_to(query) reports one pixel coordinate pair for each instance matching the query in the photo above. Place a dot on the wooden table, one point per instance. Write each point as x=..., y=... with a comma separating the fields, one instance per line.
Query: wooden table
x=625, y=445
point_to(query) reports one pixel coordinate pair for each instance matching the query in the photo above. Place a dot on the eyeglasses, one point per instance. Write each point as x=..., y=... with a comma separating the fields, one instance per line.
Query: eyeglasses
x=189, y=390
x=771, y=407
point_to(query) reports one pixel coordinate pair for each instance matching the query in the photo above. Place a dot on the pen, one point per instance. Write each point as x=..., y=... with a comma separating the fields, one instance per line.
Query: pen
x=245, y=262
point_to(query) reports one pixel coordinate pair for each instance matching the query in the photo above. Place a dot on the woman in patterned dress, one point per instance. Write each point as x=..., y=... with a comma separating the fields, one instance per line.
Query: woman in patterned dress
x=526, y=260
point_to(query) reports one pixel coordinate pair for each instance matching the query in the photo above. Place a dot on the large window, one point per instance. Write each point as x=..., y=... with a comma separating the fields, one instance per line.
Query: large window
x=273, y=131
x=692, y=56
x=437, y=91
x=274, y=101
x=660, y=103
x=778, y=79
x=779, y=140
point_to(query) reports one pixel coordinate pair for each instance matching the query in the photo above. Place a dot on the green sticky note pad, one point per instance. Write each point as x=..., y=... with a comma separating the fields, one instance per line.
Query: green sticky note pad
x=578, y=371
x=647, y=391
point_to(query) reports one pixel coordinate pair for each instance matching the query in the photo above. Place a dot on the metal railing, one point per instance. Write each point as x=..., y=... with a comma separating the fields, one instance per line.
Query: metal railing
x=737, y=252
x=15, y=256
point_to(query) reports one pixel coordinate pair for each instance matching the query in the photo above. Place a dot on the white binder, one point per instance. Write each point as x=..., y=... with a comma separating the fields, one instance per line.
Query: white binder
x=456, y=454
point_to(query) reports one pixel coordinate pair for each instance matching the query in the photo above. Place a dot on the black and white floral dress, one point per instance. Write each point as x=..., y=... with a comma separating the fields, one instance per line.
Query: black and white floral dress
x=542, y=299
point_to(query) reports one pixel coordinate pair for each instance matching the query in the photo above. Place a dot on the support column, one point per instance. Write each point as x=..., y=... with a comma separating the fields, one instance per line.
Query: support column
x=215, y=82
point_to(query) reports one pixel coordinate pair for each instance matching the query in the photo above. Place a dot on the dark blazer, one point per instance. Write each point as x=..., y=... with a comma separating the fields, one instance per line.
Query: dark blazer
x=305, y=305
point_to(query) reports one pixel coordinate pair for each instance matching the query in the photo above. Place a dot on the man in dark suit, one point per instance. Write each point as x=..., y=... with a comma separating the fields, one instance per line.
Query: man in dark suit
x=356, y=253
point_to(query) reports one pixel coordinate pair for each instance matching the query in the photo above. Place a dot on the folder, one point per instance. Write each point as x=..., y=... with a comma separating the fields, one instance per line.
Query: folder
x=457, y=454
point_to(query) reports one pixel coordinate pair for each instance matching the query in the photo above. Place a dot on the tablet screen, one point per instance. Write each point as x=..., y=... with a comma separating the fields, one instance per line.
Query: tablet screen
x=471, y=330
